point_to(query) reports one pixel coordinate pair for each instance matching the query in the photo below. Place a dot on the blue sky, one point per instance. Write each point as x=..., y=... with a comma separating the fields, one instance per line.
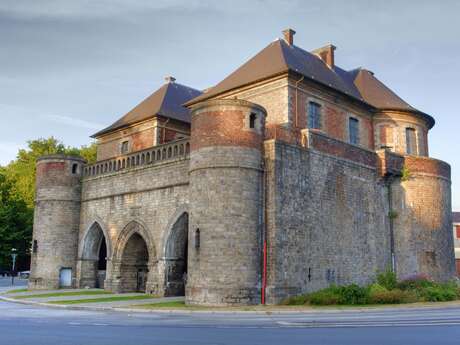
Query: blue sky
x=69, y=68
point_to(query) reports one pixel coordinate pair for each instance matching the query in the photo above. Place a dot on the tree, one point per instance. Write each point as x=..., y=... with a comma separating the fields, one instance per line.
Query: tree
x=17, y=191
x=15, y=225
x=21, y=172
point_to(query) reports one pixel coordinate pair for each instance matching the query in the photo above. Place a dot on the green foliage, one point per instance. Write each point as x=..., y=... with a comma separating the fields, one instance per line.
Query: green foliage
x=387, y=279
x=440, y=293
x=405, y=173
x=353, y=294
x=345, y=295
x=21, y=172
x=376, y=288
x=15, y=224
x=327, y=296
x=394, y=296
x=415, y=282
x=17, y=189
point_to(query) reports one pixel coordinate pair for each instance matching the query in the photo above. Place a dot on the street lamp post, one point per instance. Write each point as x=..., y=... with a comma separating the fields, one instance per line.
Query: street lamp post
x=14, y=254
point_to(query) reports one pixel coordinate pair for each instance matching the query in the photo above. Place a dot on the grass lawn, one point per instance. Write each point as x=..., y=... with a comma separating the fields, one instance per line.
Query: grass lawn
x=17, y=290
x=104, y=299
x=174, y=304
x=67, y=293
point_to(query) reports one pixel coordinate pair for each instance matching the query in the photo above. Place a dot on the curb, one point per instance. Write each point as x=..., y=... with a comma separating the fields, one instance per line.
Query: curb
x=256, y=312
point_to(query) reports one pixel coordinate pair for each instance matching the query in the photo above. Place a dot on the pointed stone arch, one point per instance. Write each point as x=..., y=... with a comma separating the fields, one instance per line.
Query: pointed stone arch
x=95, y=249
x=176, y=255
x=134, y=257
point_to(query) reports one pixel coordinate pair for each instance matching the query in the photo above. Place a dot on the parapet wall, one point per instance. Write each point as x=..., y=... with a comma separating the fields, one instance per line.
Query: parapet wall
x=326, y=217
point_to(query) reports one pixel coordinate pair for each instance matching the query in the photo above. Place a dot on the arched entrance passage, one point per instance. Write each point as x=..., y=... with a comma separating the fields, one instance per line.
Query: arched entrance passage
x=93, y=258
x=176, y=258
x=134, y=264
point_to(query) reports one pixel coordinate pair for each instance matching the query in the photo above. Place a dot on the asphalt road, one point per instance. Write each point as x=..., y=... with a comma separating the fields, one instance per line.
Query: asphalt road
x=24, y=324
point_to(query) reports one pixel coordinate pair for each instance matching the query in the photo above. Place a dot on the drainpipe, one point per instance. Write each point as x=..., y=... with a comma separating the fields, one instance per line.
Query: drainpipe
x=391, y=217
x=296, y=91
x=264, y=233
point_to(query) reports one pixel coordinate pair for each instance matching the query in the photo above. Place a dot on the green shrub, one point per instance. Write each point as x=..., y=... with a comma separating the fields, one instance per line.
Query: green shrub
x=387, y=279
x=375, y=288
x=415, y=282
x=394, y=296
x=353, y=294
x=439, y=292
x=326, y=296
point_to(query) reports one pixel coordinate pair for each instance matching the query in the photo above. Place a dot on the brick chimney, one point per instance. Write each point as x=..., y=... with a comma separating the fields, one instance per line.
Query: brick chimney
x=326, y=54
x=289, y=36
x=170, y=79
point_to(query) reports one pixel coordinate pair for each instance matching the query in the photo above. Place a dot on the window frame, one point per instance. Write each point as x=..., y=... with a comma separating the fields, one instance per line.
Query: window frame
x=317, y=118
x=409, y=149
x=122, y=144
x=354, y=140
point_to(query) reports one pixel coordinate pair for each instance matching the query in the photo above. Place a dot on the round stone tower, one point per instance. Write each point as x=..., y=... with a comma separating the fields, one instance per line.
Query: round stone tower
x=56, y=221
x=422, y=215
x=226, y=180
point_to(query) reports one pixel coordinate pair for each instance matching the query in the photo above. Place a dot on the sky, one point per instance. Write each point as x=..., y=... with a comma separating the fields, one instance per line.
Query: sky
x=70, y=68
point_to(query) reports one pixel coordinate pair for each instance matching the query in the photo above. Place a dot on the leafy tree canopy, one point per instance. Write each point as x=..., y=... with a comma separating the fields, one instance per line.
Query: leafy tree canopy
x=17, y=189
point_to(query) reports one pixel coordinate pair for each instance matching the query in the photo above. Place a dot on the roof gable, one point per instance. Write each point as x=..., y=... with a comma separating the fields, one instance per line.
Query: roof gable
x=166, y=101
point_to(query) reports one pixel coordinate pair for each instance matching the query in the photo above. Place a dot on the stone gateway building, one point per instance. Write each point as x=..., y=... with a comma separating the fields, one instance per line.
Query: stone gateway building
x=289, y=175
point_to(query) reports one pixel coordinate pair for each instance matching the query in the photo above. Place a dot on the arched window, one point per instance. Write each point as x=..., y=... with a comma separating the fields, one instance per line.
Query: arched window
x=74, y=168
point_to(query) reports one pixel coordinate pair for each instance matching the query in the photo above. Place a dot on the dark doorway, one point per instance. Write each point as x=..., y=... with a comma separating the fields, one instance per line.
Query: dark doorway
x=94, y=258
x=134, y=267
x=176, y=258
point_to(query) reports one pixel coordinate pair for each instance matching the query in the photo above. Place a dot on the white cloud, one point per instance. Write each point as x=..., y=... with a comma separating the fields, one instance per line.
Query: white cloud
x=67, y=120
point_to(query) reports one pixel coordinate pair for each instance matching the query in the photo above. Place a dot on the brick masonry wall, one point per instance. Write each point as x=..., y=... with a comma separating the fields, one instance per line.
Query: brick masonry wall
x=390, y=130
x=326, y=221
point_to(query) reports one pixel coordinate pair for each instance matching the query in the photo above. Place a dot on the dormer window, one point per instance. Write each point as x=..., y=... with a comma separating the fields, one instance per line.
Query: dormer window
x=124, y=147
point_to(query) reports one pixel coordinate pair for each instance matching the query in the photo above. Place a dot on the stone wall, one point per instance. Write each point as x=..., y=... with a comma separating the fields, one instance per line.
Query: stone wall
x=56, y=220
x=422, y=214
x=145, y=200
x=226, y=204
x=326, y=221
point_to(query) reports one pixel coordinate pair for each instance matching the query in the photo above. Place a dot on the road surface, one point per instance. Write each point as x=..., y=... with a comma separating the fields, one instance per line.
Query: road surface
x=25, y=324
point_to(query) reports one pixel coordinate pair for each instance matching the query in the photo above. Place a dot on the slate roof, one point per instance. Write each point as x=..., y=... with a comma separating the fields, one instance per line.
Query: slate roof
x=167, y=101
x=456, y=217
x=279, y=57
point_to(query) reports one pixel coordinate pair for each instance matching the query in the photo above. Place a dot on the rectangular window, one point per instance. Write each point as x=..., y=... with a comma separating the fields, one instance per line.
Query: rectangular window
x=411, y=144
x=353, y=130
x=314, y=115
x=124, y=147
x=457, y=231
